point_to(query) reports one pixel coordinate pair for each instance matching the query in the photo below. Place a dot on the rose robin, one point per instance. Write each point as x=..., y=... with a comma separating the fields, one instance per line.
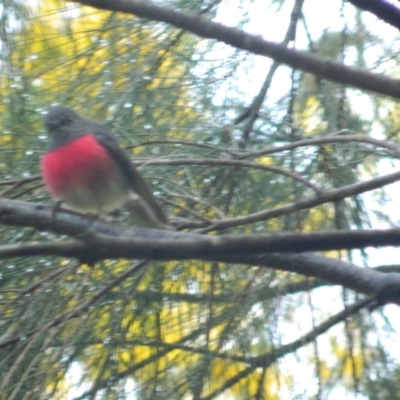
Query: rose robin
x=86, y=169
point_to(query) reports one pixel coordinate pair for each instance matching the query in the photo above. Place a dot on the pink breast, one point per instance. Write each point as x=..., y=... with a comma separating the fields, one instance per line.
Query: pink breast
x=80, y=163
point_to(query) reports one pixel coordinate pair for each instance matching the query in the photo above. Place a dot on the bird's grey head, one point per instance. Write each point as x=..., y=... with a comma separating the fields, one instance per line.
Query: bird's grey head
x=63, y=125
x=59, y=116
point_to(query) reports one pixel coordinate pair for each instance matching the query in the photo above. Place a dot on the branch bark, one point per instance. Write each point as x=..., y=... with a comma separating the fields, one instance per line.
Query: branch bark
x=101, y=240
x=382, y=9
x=203, y=27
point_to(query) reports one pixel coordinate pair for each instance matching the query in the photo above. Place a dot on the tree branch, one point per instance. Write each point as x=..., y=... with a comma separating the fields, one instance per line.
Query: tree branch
x=266, y=360
x=259, y=99
x=234, y=163
x=382, y=9
x=392, y=148
x=101, y=240
x=307, y=203
x=203, y=27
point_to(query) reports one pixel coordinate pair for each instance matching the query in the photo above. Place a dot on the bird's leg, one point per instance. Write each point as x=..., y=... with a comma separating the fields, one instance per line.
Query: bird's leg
x=56, y=208
x=115, y=214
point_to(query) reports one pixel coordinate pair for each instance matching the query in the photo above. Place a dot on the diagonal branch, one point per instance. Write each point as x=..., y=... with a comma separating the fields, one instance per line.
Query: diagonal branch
x=266, y=360
x=234, y=163
x=384, y=144
x=307, y=203
x=259, y=99
x=203, y=27
x=382, y=9
x=80, y=309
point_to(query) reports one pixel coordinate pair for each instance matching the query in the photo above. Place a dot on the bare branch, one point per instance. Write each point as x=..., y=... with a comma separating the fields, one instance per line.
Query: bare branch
x=234, y=163
x=394, y=149
x=322, y=67
x=101, y=241
x=382, y=9
x=80, y=309
x=259, y=99
x=327, y=197
x=269, y=358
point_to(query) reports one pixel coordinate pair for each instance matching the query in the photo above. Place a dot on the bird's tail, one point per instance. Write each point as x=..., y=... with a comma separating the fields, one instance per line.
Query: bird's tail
x=142, y=214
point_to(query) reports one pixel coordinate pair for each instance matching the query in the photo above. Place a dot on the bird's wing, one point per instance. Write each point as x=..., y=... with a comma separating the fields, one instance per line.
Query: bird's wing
x=137, y=183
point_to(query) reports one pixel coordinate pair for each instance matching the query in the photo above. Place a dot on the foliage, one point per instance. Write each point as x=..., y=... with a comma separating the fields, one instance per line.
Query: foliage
x=183, y=108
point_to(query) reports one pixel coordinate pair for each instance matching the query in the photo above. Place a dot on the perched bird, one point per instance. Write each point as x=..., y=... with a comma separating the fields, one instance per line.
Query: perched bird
x=86, y=169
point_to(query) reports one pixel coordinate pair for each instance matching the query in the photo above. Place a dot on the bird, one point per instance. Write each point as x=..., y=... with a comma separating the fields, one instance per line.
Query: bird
x=86, y=170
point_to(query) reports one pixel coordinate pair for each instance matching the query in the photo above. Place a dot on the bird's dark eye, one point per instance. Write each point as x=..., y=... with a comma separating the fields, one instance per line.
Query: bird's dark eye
x=53, y=124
